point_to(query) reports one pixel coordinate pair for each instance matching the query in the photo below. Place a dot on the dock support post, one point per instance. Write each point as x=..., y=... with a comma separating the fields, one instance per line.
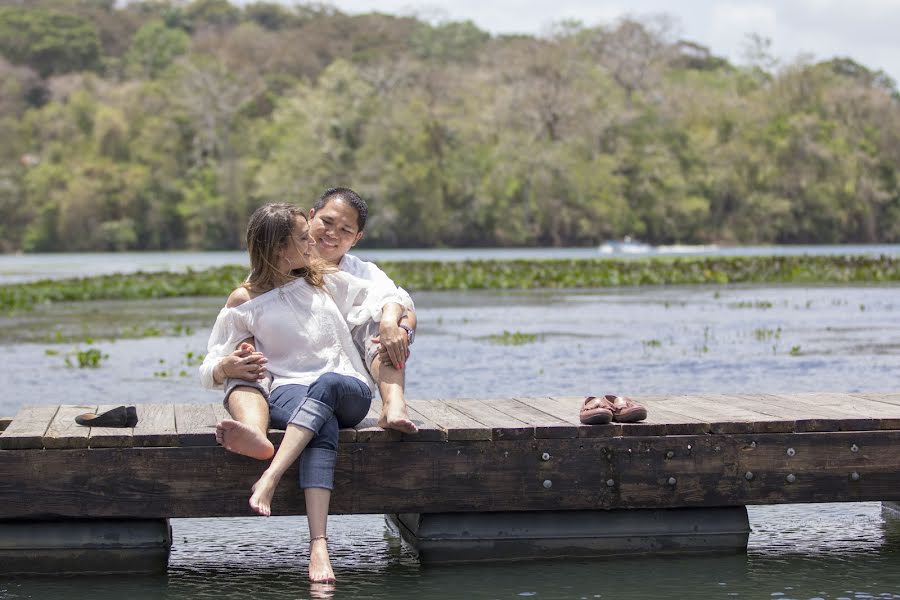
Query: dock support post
x=85, y=546
x=462, y=537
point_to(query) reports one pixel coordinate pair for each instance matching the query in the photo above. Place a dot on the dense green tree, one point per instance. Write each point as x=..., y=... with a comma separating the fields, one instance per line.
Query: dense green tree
x=161, y=124
x=50, y=42
x=154, y=47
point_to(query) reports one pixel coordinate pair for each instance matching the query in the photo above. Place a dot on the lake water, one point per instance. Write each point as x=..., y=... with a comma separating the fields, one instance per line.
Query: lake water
x=29, y=267
x=654, y=340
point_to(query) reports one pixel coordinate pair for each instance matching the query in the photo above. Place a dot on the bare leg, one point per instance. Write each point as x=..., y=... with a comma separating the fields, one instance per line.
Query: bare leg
x=317, y=500
x=247, y=433
x=393, y=406
x=295, y=440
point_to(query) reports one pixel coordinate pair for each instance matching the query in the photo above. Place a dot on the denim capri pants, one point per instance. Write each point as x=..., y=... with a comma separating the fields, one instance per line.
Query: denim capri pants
x=331, y=402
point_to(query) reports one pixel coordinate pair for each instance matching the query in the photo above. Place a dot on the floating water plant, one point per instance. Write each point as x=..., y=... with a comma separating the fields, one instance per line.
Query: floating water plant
x=85, y=359
x=764, y=335
x=485, y=274
x=516, y=338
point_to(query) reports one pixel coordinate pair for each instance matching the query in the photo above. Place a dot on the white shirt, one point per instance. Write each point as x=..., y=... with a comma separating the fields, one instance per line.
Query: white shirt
x=370, y=271
x=302, y=330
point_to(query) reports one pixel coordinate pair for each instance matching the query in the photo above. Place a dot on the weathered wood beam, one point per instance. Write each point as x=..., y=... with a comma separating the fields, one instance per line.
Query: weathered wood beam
x=483, y=475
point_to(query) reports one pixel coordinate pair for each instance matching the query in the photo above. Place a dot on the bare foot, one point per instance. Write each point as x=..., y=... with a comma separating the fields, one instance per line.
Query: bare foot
x=396, y=419
x=320, y=570
x=261, y=500
x=242, y=439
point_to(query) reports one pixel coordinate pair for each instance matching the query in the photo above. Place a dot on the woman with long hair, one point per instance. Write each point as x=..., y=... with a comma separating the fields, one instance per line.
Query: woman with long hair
x=299, y=311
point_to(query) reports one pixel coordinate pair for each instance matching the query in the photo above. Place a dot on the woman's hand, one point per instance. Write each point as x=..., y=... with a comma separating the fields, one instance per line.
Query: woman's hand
x=394, y=344
x=244, y=363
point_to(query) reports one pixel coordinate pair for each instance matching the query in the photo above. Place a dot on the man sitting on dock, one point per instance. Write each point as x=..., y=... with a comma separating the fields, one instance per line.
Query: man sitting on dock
x=337, y=221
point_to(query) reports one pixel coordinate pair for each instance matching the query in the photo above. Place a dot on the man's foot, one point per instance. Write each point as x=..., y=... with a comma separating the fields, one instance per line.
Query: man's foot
x=263, y=490
x=396, y=419
x=242, y=439
x=320, y=570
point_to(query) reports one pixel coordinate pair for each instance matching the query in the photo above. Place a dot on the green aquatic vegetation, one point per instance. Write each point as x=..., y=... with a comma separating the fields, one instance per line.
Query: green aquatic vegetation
x=761, y=304
x=515, y=338
x=485, y=274
x=651, y=344
x=51, y=352
x=184, y=368
x=763, y=334
x=85, y=359
x=795, y=351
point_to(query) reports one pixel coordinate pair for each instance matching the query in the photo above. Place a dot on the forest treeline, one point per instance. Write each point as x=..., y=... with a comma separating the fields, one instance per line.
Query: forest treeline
x=162, y=124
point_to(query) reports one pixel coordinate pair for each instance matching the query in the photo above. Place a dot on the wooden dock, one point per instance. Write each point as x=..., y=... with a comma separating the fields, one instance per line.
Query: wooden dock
x=508, y=454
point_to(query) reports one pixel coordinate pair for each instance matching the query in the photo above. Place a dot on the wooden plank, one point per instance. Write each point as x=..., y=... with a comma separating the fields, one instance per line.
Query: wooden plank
x=722, y=417
x=195, y=424
x=806, y=417
x=855, y=414
x=28, y=427
x=64, y=432
x=851, y=403
x=502, y=426
x=671, y=423
x=428, y=430
x=458, y=426
x=156, y=425
x=545, y=425
x=885, y=397
x=463, y=476
x=110, y=437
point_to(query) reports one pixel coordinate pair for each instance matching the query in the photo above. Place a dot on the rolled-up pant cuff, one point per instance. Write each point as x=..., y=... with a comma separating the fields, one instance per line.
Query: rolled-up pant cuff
x=311, y=414
x=230, y=384
x=317, y=468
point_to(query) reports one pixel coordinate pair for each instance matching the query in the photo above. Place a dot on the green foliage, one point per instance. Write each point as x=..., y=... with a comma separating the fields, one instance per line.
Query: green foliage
x=154, y=47
x=176, y=119
x=49, y=42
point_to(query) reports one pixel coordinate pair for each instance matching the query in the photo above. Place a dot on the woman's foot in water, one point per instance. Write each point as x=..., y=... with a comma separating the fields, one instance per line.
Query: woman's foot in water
x=320, y=570
x=242, y=439
x=263, y=490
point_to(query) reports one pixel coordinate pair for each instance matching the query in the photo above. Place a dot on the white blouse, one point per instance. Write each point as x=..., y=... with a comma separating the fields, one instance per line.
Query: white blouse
x=302, y=330
x=370, y=271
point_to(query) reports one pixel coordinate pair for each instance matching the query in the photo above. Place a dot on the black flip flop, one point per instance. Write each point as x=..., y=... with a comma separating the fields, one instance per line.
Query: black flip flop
x=120, y=416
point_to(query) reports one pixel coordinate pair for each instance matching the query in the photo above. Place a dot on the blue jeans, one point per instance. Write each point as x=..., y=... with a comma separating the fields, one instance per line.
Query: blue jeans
x=332, y=401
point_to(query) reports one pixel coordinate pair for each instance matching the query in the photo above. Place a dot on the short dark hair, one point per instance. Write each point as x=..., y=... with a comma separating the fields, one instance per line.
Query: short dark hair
x=348, y=196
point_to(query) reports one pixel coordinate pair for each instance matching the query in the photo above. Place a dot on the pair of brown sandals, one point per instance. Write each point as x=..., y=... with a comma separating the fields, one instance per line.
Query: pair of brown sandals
x=600, y=410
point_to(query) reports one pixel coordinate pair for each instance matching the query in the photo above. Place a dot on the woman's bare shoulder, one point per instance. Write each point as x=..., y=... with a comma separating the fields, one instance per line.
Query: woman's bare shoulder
x=238, y=297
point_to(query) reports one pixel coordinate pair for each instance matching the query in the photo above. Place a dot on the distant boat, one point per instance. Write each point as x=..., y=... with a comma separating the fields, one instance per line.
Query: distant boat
x=627, y=245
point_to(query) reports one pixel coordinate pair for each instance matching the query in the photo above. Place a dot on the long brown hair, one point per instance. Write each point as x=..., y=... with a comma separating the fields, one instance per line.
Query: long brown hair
x=268, y=231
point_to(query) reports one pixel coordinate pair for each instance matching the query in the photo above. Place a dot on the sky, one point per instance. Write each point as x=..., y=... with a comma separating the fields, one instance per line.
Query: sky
x=865, y=30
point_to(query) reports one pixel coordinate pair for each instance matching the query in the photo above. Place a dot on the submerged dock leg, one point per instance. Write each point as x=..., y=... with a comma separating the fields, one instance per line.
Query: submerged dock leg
x=460, y=537
x=85, y=546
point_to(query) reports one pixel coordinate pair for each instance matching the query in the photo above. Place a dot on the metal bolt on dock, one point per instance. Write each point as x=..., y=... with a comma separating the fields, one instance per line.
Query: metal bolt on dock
x=854, y=476
x=791, y=452
x=791, y=478
x=545, y=456
x=672, y=481
x=748, y=475
x=548, y=484
x=854, y=448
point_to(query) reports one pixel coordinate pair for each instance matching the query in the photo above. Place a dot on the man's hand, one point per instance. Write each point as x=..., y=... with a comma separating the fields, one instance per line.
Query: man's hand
x=244, y=363
x=394, y=344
